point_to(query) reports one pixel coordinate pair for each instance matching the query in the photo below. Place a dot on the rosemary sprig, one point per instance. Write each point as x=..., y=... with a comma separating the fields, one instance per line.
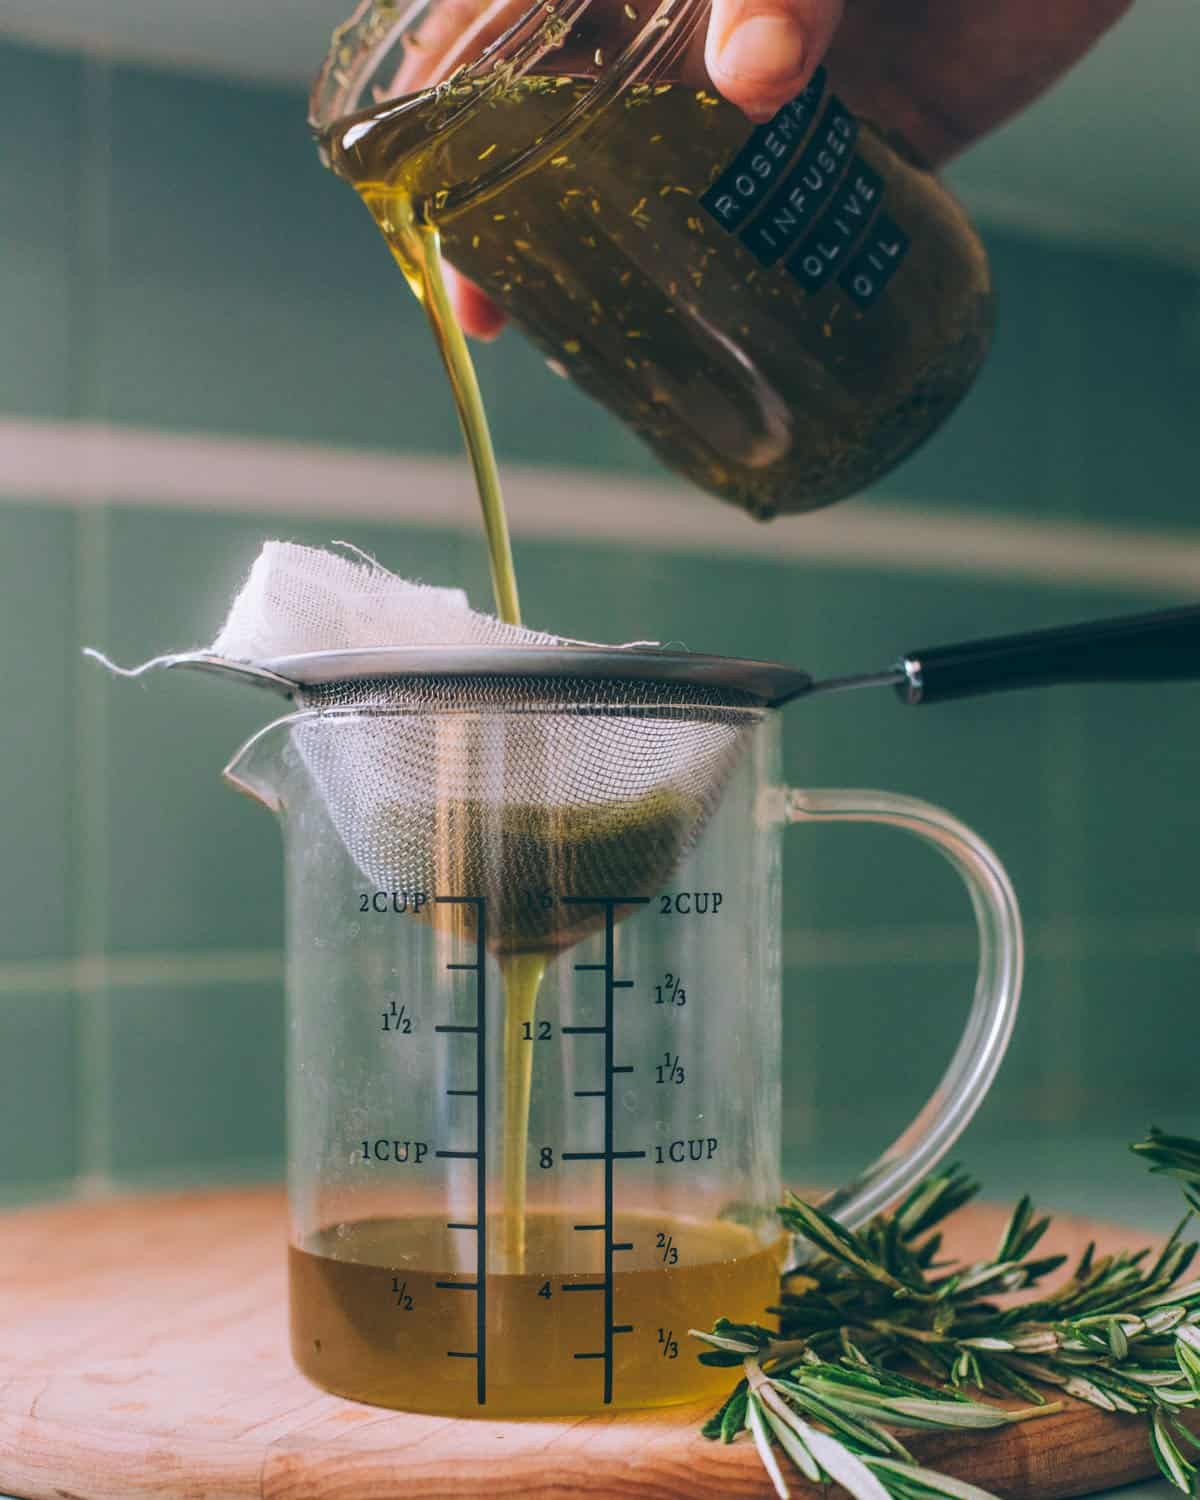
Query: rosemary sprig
x=832, y=1387
x=1177, y=1156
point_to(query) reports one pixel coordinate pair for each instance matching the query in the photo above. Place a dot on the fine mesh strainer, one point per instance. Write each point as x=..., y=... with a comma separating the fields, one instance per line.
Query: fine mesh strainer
x=507, y=771
x=456, y=753
x=512, y=774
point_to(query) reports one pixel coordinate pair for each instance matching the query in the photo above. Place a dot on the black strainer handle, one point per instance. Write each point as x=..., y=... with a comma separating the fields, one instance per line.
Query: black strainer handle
x=1159, y=647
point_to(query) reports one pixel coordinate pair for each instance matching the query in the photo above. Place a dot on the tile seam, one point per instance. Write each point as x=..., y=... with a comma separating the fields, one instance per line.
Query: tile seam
x=89, y=464
x=93, y=1020
x=804, y=947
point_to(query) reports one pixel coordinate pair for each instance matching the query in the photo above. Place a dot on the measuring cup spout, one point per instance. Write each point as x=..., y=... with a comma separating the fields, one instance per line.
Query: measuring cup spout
x=258, y=767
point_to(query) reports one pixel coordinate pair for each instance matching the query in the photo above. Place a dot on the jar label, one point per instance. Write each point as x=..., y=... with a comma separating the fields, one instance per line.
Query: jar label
x=749, y=178
x=876, y=262
x=810, y=200
x=806, y=189
x=851, y=209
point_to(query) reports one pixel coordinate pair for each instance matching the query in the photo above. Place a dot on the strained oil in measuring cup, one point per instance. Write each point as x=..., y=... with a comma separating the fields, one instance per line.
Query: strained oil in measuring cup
x=373, y=1318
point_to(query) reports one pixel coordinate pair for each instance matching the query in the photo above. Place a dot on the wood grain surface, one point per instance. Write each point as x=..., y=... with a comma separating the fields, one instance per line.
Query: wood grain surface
x=143, y=1353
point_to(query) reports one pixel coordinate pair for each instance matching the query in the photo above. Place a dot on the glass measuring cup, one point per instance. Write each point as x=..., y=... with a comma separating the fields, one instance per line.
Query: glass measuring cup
x=781, y=312
x=534, y=1001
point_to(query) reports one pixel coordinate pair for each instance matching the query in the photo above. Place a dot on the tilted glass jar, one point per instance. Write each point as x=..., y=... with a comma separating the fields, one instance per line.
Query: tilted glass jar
x=781, y=312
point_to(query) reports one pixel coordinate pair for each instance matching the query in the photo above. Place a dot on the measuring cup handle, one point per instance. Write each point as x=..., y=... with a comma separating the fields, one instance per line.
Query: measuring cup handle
x=993, y=1010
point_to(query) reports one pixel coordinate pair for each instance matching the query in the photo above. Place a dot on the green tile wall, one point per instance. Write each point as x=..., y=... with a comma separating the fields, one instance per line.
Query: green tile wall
x=39, y=1111
x=197, y=1078
x=178, y=259
x=37, y=747
x=41, y=108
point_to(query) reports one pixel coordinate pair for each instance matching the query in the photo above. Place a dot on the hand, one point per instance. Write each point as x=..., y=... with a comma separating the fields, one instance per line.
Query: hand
x=941, y=72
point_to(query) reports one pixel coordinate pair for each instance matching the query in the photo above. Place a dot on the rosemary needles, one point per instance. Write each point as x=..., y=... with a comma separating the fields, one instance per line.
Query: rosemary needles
x=878, y=1334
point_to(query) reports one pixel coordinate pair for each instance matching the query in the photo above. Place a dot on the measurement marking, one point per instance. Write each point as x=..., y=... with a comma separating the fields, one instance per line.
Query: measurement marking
x=463, y=1093
x=479, y=1155
x=626, y=1068
x=608, y=1156
x=599, y=1155
x=609, y=960
x=458, y=1286
x=624, y=1245
x=589, y=1093
x=583, y=1286
x=587, y=1226
x=462, y=1226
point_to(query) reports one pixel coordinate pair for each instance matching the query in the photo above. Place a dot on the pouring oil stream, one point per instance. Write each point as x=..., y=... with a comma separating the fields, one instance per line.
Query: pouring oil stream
x=416, y=248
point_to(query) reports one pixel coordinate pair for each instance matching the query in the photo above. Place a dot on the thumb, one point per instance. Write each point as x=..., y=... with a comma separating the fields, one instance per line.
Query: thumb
x=761, y=53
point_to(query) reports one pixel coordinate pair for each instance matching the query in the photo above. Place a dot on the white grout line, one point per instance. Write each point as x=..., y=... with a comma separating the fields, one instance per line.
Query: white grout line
x=1045, y=218
x=92, y=803
x=98, y=973
x=1065, y=941
x=805, y=948
x=88, y=463
x=242, y=1172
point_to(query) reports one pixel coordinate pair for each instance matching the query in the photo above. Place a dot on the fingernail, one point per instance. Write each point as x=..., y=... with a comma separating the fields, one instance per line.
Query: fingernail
x=763, y=49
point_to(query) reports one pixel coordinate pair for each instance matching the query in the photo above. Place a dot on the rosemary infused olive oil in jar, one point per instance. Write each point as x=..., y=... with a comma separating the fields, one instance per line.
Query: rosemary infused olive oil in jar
x=782, y=312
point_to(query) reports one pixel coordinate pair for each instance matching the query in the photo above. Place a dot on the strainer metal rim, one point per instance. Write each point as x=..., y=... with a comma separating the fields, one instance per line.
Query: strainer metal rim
x=769, y=682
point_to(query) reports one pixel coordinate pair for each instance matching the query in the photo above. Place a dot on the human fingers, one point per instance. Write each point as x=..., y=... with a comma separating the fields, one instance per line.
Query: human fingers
x=452, y=32
x=761, y=53
x=478, y=314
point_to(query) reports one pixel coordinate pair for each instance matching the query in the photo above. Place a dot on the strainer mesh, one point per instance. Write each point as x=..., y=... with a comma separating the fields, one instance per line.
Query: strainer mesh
x=522, y=790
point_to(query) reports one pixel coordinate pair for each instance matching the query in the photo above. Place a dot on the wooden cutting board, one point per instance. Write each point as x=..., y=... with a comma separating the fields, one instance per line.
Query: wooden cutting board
x=143, y=1353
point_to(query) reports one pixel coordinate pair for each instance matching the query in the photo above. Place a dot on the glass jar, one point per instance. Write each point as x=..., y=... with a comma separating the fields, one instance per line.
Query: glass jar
x=782, y=312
